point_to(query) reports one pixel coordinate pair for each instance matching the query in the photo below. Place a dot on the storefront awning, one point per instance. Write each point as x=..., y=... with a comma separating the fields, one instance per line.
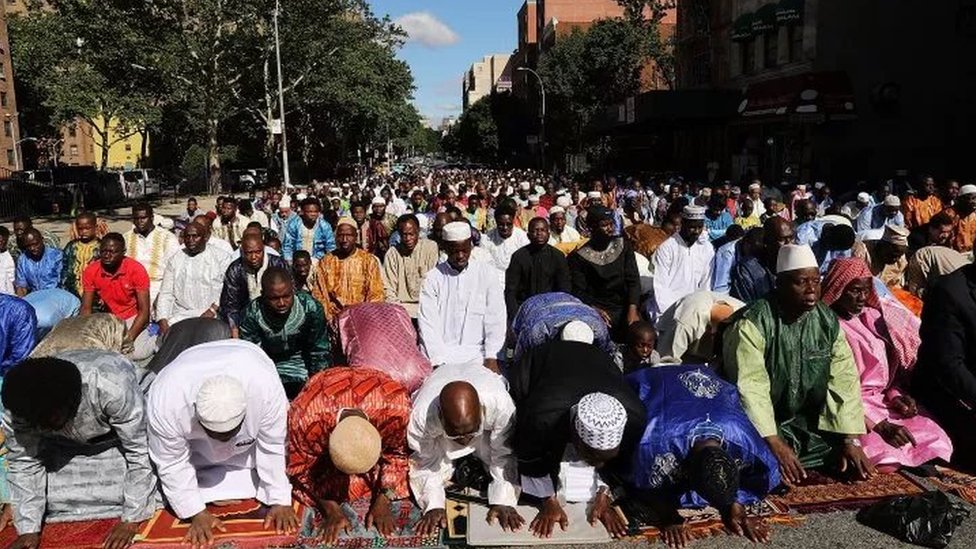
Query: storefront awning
x=816, y=96
x=742, y=28
x=789, y=12
x=764, y=20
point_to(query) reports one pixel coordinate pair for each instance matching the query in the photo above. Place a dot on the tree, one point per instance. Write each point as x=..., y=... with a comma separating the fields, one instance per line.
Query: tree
x=648, y=15
x=475, y=135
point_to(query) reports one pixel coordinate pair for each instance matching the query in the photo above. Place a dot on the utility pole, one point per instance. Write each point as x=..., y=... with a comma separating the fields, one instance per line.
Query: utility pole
x=281, y=100
x=542, y=118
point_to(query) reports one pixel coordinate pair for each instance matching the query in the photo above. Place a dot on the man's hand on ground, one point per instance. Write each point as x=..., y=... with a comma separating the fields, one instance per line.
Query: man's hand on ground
x=334, y=522
x=675, y=536
x=852, y=457
x=202, y=526
x=508, y=518
x=121, y=535
x=738, y=523
x=282, y=519
x=380, y=516
x=789, y=466
x=603, y=511
x=549, y=515
x=431, y=521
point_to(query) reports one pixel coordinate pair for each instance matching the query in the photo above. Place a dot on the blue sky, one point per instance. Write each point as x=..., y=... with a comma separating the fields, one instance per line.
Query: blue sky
x=447, y=36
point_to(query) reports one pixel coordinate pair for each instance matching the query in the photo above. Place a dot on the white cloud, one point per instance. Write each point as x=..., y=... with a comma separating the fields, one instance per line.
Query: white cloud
x=423, y=28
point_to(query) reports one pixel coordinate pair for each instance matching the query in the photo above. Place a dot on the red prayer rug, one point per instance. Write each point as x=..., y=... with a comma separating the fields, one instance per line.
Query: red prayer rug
x=820, y=493
x=89, y=534
x=955, y=482
x=244, y=522
x=707, y=522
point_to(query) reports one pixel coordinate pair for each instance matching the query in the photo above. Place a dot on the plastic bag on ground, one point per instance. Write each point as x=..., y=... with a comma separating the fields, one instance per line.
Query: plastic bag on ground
x=927, y=519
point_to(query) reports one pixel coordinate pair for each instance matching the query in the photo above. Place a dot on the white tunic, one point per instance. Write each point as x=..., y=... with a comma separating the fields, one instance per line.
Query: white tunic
x=152, y=252
x=681, y=328
x=462, y=315
x=432, y=452
x=568, y=235
x=680, y=269
x=7, y=269
x=191, y=284
x=195, y=469
x=501, y=249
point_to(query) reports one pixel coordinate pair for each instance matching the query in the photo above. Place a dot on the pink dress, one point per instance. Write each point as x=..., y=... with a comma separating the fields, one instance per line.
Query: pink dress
x=867, y=335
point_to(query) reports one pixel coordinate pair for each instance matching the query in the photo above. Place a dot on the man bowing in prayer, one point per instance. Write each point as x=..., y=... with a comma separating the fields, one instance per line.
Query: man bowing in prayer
x=575, y=417
x=347, y=440
x=462, y=413
x=682, y=265
x=796, y=373
x=462, y=308
x=217, y=423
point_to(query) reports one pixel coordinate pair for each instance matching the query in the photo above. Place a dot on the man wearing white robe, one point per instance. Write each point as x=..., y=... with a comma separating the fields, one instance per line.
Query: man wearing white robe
x=462, y=314
x=433, y=453
x=200, y=456
x=683, y=264
x=151, y=246
x=503, y=241
x=193, y=279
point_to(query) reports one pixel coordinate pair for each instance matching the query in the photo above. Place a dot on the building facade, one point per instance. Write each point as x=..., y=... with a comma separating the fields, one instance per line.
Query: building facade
x=11, y=157
x=490, y=75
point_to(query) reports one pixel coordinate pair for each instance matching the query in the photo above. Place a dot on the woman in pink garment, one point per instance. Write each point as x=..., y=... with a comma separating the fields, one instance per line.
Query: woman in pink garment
x=884, y=338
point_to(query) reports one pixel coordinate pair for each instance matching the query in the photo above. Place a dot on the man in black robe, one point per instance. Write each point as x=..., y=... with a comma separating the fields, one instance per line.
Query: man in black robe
x=535, y=269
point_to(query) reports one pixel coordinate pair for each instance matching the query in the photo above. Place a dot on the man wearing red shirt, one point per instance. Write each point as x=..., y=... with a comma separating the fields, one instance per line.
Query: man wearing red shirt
x=122, y=284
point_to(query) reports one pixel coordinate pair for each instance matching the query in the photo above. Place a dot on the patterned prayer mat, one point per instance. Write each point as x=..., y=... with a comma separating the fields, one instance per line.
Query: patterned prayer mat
x=244, y=522
x=955, y=482
x=823, y=494
x=405, y=513
x=703, y=523
x=68, y=535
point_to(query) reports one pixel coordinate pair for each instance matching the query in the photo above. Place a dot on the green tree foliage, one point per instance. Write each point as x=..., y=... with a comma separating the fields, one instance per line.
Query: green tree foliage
x=475, y=135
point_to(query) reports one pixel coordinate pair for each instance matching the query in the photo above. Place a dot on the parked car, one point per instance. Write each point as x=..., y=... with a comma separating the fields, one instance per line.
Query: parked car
x=139, y=183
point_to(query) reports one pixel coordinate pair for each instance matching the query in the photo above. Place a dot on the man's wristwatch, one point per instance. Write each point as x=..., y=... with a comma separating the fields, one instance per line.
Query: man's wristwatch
x=855, y=442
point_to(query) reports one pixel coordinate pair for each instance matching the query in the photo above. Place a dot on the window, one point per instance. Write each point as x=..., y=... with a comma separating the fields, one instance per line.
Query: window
x=770, y=49
x=3, y=99
x=794, y=35
x=8, y=128
x=72, y=131
x=11, y=158
x=748, y=50
x=128, y=147
x=74, y=150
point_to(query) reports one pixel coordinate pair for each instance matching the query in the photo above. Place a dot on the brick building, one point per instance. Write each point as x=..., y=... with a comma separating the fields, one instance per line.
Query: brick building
x=492, y=74
x=10, y=152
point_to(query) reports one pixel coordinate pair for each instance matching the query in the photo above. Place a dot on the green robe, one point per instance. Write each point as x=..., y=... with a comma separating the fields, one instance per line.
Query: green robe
x=798, y=381
x=298, y=344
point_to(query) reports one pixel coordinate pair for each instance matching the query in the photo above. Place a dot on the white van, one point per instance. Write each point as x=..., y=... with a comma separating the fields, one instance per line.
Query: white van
x=138, y=183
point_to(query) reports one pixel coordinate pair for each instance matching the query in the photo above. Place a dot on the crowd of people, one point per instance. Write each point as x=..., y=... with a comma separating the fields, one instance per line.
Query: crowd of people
x=675, y=343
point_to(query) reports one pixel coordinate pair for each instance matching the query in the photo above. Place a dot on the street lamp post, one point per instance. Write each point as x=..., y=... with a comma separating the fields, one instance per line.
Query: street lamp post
x=542, y=117
x=281, y=100
x=18, y=155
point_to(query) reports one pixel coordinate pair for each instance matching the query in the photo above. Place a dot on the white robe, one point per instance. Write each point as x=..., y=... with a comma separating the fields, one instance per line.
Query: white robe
x=681, y=328
x=152, y=252
x=462, y=316
x=501, y=250
x=195, y=469
x=680, y=270
x=433, y=453
x=191, y=284
x=7, y=268
x=568, y=235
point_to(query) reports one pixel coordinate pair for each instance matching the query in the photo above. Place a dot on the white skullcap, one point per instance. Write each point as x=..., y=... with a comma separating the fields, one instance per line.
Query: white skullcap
x=355, y=445
x=564, y=201
x=793, y=257
x=221, y=403
x=895, y=235
x=755, y=187
x=863, y=197
x=458, y=231
x=967, y=189
x=600, y=421
x=562, y=192
x=706, y=192
x=534, y=198
x=693, y=213
x=557, y=210
x=378, y=200
x=892, y=201
x=819, y=185
x=163, y=222
x=801, y=187
x=301, y=196
x=525, y=185
x=539, y=189
x=594, y=194
x=577, y=330
x=347, y=221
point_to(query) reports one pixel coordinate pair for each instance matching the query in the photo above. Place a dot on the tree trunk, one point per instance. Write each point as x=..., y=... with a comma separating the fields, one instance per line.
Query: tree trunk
x=144, y=153
x=103, y=132
x=213, y=157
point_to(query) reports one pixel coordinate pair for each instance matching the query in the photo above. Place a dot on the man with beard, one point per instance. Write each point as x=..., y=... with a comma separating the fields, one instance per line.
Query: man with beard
x=796, y=374
x=242, y=281
x=502, y=241
x=682, y=265
x=920, y=207
x=604, y=274
x=290, y=327
x=230, y=224
x=407, y=264
x=380, y=218
x=963, y=214
x=151, y=246
x=312, y=233
x=192, y=281
x=537, y=268
x=348, y=275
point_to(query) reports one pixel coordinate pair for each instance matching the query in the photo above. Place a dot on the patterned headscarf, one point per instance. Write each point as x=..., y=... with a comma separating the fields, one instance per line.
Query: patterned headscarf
x=901, y=324
x=600, y=421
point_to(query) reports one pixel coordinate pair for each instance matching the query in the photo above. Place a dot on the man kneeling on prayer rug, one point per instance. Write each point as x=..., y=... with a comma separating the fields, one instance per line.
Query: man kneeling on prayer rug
x=76, y=432
x=347, y=440
x=217, y=423
x=796, y=374
x=699, y=449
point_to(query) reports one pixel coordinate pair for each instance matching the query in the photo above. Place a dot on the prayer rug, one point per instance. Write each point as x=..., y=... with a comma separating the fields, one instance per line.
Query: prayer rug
x=88, y=534
x=405, y=517
x=244, y=522
x=820, y=493
x=579, y=531
x=955, y=482
x=703, y=523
